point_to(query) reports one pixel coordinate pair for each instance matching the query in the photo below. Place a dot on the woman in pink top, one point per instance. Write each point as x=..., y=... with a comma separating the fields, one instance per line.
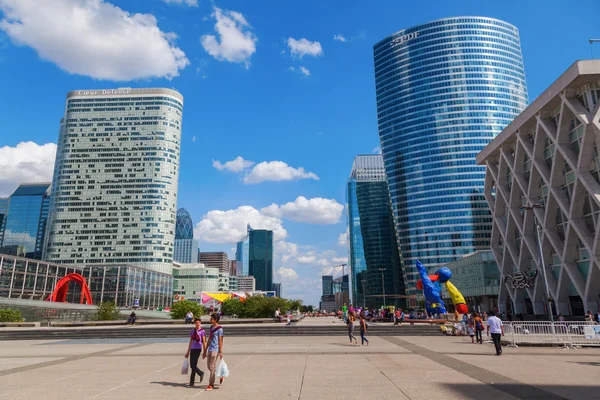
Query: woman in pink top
x=197, y=343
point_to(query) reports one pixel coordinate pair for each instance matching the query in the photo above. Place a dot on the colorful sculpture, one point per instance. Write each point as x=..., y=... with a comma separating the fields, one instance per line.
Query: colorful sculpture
x=62, y=286
x=430, y=284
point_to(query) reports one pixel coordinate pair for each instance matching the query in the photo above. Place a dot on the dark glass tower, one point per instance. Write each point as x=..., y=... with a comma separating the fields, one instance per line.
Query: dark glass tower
x=260, y=257
x=445, y=89
x=26, y=218
x=375, y=263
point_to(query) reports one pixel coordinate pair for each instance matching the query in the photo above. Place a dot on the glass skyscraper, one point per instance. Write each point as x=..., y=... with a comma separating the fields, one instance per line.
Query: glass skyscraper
x=241, y=257
x=3, y=214
x=114, y=192
x=445, y=89
x=25, y=221
x=260, y=258
x=186, y=248
x=375, y=263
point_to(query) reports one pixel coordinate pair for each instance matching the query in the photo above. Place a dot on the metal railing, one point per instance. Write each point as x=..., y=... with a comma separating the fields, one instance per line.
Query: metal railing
x=565, y=334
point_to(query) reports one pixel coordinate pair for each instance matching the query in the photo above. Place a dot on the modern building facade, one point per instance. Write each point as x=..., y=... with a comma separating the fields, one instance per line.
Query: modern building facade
x=232, y=267
x=3, y=214
x=215, y=259
x=548, y=160
x=114, y=192
x=375, y=264
x=26, y=219
x=125, y=285
x=190, y=280
x=260, y=258
x=277, y=289
x=477, y=277
x=444, y=90
x=241, y=257
x=327, y=283
x=186, y=248
x=246, y=284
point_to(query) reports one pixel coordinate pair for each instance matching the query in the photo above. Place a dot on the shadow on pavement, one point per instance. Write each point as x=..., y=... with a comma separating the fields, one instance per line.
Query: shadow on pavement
x=477, y=391
x=175, y=384
x=590, y=363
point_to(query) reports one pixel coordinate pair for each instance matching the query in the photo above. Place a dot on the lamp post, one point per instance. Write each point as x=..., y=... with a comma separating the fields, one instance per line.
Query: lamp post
x=538, y=229
x=382, y=285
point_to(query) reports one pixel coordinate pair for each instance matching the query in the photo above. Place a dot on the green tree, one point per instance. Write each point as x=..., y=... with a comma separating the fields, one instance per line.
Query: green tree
x=259, y=306
x=10, y=315
x=181, y=308
x=108, y=311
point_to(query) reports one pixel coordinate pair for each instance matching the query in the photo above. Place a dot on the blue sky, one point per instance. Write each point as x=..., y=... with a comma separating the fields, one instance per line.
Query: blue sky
x=253, y=89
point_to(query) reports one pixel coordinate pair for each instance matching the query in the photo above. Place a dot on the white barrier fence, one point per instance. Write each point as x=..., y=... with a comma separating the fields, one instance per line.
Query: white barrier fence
x=566, y=334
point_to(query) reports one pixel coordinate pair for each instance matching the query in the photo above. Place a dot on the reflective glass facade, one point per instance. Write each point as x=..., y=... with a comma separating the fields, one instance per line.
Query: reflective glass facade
x=186, y=248
x=241, y=257
x=114, y=192
x=444, y=90
x=375, y=264
x=3, y=214
x=260, y=258
x=327, y=281
x=22, y=278
x=25, y=225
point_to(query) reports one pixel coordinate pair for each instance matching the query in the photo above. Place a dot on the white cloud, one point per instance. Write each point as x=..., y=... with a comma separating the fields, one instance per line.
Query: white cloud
x=305, y=71
x=333, y=270
x=291, y=69
x=26, y=162
x=194, y=138
x=236, y=43
x=286, y=275
x=230, y=226
x=341, y=260
x=285, y=250
x=302, y=47
x=236, y=165
x=377, y=150
x=343, y=239
x=191, y=3
x=277, y=171
x=94, y=38
x=316, y=210
x=340, y=38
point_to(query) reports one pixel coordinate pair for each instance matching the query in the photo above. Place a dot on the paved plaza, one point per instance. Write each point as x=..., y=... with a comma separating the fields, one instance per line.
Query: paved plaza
x=309, y=368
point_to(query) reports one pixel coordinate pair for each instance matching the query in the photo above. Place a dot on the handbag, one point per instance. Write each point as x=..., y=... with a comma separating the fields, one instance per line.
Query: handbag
x=185, y=367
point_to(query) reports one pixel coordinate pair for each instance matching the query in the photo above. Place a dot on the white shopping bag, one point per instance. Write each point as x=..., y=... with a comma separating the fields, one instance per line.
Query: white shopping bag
x=185, y=367
x=222, y=371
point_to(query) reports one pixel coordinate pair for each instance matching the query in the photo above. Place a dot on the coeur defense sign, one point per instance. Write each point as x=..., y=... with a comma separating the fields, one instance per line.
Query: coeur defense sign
x=404, y=38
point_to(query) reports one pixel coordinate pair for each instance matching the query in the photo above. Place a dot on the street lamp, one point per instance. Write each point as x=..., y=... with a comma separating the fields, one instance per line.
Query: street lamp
x=538, y=229
x=382, y=285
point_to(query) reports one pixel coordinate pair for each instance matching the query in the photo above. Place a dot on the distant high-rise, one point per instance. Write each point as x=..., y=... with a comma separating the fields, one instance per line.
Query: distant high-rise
x=241, y=257
x=444, y=90
x=114, y=192
x=186, y=248
x=327, y=281
x=255, y=256
x=3, y=214
x=25, y=220
x=375, y=264
x=215, y=259
x=277, y=289
x=233, y=267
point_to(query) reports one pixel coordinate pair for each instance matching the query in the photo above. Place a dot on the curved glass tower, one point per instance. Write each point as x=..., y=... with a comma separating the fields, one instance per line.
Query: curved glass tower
x=445, y=89
x=186, y=248
x=184, y=228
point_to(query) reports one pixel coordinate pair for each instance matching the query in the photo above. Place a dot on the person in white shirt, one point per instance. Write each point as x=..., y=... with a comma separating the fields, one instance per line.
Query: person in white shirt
x=189, y=317
x=278, y=315
x=495, y=327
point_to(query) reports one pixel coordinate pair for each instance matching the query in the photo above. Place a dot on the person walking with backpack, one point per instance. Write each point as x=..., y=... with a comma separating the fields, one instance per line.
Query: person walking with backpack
x=214, y=350
x=350, y=323
x=363, y=330
x=478, y=328
x=197, y=343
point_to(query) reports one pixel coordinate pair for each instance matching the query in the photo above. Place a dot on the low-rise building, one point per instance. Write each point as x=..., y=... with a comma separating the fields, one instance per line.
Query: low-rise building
x=190, y=280
x=246, y=284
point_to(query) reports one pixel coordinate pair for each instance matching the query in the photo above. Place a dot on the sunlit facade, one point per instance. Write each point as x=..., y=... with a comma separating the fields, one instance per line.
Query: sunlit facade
x=444, y=90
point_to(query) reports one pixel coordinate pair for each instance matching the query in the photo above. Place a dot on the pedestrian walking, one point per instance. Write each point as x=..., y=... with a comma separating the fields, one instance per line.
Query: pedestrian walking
x=494, y=326
x=478, y=328
x=197, y=343
x=351, y=328
x=214, y=349
x=363, y=330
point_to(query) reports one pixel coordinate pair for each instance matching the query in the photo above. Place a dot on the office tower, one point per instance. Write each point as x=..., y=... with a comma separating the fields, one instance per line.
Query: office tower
x=25, y=221
x=3, y=214
x=260, y=257
x=548, y=160
x=114, y=192
x=232, y=267
x=276, y=287
x=186, y=248
x=376, y=269
x=215, y=260
x=444, y=90
x=246, y=284
x=241, y=257
x=327, y=281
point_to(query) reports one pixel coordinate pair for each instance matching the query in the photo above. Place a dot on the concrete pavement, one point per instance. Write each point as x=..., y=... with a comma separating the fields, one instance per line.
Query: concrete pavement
x=310, y=368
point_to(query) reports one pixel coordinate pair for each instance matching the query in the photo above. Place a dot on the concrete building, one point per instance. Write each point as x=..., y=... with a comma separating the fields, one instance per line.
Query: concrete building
x=25, y=223
x=114, y=192
x=215, y=260
x=233, y=283
x=232, y=267
x=327, y=282
x=328, y=303
x=246, y=284
x=224, y=282
x=548, y=160
x=186, y=248
x=375, y=263
x=477, y=277
x=444, y=90
x=190, y=280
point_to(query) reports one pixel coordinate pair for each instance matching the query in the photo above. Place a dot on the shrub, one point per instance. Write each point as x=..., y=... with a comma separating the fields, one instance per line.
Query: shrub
x=9, y=315
x=108, y=311
x=259, y=306
x=181, y=308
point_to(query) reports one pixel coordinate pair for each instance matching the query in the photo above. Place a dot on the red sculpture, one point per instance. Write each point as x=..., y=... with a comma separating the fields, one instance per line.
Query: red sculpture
x=62, y=287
